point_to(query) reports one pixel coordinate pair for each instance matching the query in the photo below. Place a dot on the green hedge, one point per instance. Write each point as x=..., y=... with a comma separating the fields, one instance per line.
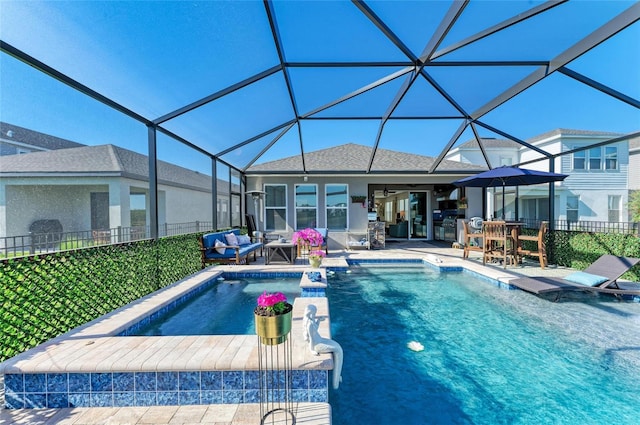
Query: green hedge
x=44, y=296
x=577, y=250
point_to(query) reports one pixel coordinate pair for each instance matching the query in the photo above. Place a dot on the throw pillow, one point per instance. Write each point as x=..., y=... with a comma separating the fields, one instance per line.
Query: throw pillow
x=231, y=239
x=219, y=243
x=586, y=278
x=243, y=240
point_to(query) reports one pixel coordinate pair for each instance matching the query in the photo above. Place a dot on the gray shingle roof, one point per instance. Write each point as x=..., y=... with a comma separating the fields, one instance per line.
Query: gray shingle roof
x=490, y=143
x=33, y=138
x=571, y=132
x=353, y=158
x=101, y=160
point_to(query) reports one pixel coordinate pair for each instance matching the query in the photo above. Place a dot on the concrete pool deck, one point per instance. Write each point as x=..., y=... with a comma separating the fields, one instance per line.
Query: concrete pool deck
x=67, y=356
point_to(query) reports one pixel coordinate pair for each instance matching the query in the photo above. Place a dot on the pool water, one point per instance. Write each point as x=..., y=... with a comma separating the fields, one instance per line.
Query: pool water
x=491, y=356
x=226, y=308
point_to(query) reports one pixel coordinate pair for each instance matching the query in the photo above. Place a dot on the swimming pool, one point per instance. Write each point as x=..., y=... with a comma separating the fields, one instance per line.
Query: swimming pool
x=216, y=310
x=490, y=356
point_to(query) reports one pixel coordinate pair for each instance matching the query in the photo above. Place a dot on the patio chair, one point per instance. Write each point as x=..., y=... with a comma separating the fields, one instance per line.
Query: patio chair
x=476, y=238
x=498, y=243
x=540, y=252
x=601, y=276
x=252, y=228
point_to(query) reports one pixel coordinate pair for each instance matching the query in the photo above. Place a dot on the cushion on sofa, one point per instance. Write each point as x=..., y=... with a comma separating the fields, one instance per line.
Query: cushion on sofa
x=218, y=243
x=231, y=238
x=244, y=240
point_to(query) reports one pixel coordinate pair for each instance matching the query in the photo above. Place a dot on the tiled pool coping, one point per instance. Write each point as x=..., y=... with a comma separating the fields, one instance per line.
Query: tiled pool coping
x=93, y=366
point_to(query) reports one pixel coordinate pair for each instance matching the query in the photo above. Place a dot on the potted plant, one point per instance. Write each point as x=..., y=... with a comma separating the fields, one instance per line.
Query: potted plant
x=358, y=199
x=308, y=236
x=306, y=239
x=273, y=318
x=462, y=203
x=315, y=258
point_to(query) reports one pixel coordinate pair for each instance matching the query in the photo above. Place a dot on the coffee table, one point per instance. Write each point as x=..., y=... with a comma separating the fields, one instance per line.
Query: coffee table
x=285, y=250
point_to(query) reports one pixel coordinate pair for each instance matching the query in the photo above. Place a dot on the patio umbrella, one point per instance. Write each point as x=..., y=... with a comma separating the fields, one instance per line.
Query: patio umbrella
x=509, y=176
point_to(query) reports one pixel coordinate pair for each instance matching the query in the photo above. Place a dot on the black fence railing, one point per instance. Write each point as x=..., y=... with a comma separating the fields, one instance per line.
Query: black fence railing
x=623, y=227
x=37, y=243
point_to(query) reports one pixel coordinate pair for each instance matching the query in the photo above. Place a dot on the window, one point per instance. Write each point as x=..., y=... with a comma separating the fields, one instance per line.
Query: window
x=275, y=201
x=506, y=160
x=614, y=208
x=138, y=209
x=534, y=208
x=610, y=158
x=595, y=158
x=306, y=205
x=579, y=160
x=592, y=159
x=388, y=212
x=337, y=206
x=573, y=202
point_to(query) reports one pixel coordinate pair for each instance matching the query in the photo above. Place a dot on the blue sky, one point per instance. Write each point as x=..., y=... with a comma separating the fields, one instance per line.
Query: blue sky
x=155, y=57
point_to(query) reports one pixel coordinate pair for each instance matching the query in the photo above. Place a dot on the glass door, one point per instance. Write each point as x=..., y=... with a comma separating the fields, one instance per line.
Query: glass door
x=417, y=215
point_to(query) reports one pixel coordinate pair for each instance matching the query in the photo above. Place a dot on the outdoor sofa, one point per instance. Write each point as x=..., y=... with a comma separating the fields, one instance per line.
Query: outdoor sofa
x=215, y=248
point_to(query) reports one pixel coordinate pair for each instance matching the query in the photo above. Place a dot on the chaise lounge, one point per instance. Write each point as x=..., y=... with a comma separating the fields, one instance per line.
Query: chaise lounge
x=601, y=276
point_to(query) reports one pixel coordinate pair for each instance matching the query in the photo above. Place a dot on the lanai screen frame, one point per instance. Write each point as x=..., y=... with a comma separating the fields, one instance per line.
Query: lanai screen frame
x=414, y=68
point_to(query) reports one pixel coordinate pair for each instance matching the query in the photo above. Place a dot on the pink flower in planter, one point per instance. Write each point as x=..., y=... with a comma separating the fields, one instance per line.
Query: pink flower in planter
x=307, y=236
x=276, y=302
x=317, y=255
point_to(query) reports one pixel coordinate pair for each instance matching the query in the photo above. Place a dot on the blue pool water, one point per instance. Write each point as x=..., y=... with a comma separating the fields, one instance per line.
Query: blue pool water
x=225, y=308
x=491, y=356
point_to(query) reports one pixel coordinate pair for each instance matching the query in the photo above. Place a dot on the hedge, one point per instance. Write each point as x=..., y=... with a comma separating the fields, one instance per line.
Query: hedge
x=44, y=296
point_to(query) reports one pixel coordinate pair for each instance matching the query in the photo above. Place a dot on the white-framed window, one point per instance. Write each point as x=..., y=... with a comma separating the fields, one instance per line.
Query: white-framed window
x=573, y=204
x=613, y=208
x=337, y=206
x=506, y=160
x=595, y=158
x=610, y=158
x=580, y=160
x=388, y=212
x=306, y=203
x=600, y=158
x=275, y=202
x=534, y=208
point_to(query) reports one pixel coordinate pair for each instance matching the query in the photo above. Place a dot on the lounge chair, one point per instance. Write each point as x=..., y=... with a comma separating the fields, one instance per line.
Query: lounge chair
x=601, y=276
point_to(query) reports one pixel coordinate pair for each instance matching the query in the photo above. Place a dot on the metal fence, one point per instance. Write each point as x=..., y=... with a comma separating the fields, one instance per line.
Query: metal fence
x=624, y=227
x=36, y=243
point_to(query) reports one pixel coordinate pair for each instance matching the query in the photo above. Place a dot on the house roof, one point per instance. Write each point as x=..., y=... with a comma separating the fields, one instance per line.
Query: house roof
x=561, y=132
x=35, y=139
x=490, y=143
x=352, y=158
x=573, y=132
x=102, y=160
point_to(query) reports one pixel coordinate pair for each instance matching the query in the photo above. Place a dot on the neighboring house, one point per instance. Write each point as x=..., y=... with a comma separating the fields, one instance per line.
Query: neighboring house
x=634, y=168
x=18, y=140
x=634, y=164
x=597, y=188
x=98, y=188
